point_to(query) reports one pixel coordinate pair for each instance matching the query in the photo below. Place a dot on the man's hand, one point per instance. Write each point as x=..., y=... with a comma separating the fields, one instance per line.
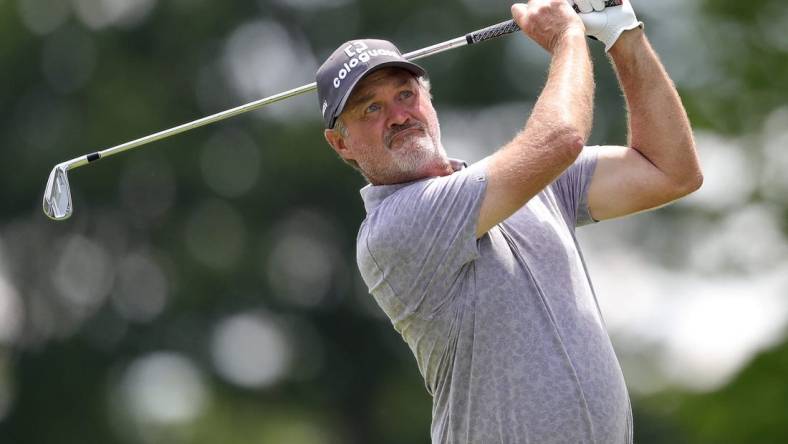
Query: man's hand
x=547, y=22
x=589, y=5
x=607, y=24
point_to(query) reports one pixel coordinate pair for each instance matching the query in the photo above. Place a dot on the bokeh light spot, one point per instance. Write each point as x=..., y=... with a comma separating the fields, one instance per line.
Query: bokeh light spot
x=303, y=259
x=774, y=182
x=11, y=307
x=164, y=388
x=284, y=62
x=729, y=176
x=83, y=274
x=723, y=248
x=11, y=312
x=250, y=350
x=98, y=14
x=43, y=16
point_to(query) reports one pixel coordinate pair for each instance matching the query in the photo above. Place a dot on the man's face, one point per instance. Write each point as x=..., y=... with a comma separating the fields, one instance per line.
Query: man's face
x=392, y=130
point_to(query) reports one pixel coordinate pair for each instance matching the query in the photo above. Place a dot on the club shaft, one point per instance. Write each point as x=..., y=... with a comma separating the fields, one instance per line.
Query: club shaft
x=478, y=36
x=251, y=106
x=435, y=49
x=257, y=104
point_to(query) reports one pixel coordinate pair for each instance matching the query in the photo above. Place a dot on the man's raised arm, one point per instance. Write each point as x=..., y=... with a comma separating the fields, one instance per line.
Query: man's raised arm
x=661, y=164
x=561, y=120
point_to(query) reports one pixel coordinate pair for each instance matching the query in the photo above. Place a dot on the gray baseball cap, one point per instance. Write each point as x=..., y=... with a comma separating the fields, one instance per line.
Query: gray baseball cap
x=353, y=60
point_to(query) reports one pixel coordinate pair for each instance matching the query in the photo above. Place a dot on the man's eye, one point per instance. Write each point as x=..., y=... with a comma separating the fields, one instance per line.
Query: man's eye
x=372, y=108
x=406, y=94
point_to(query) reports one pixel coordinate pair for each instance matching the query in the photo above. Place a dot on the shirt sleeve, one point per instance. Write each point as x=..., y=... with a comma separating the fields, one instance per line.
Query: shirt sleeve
x=414, y=246
x=571, y=188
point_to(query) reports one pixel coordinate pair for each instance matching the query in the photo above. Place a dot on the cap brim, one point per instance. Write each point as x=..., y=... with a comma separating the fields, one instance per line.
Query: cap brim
x=409, y=66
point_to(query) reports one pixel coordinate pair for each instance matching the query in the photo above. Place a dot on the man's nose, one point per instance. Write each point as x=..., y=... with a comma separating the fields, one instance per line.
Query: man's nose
x=398, y=115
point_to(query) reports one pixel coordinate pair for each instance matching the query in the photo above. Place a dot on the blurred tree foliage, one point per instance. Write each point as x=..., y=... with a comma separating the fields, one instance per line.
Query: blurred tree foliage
x=62, y=370
x=752, y=408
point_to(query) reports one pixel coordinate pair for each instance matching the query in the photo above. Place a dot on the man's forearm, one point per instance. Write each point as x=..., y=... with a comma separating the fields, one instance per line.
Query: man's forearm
x=568, y=97
x=658, y=125
x=552, y=139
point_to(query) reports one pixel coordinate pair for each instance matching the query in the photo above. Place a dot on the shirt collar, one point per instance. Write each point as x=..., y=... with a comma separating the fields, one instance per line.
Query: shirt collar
x=374, y=195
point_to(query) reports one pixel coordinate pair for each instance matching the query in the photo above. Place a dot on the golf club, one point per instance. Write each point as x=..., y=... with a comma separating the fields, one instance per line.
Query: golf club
x=57, y=195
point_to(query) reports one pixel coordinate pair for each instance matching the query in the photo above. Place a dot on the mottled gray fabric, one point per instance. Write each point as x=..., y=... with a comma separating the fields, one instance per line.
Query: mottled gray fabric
x=506, y=329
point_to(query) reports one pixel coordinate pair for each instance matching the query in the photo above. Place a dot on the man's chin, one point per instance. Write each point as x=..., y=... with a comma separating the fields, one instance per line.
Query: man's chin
x=409, y=166
x=419, y=159
x=408, y=139
x=417, y=142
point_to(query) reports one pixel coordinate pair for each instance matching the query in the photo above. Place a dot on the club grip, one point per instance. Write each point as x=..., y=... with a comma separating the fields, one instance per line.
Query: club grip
x=492, y=32
x=510, y=26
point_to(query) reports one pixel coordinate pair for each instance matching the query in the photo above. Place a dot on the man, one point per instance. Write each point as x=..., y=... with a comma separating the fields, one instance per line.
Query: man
x=478, y=268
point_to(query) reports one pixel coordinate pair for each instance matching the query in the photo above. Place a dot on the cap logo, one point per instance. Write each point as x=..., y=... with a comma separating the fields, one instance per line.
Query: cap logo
x=356, y=47
x=325, y=105
x=358, y=52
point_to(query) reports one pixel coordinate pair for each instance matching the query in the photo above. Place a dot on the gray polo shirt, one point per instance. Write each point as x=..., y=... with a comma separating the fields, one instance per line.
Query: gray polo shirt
x=506, y=329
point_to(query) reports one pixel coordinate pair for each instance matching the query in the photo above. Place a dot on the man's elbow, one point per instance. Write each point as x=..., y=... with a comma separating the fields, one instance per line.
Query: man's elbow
x=568, y=140
x=560, y=143
x=696, y=182
x=690, y=181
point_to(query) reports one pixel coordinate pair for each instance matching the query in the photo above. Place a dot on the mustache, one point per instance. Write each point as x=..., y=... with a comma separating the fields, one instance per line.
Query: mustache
x=396, y=129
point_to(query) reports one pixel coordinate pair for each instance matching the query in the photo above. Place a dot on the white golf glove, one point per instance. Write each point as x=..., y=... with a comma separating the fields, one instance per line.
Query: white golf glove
x=607, y=23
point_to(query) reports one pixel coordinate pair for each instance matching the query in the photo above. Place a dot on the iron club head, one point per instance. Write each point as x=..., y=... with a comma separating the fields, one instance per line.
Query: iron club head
x=57, y=196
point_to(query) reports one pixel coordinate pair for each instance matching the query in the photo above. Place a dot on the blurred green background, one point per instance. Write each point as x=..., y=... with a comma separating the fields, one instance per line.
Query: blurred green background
x=205, y=290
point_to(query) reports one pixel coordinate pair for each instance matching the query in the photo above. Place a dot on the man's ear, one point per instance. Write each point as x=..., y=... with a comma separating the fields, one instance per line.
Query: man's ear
x=337, y=142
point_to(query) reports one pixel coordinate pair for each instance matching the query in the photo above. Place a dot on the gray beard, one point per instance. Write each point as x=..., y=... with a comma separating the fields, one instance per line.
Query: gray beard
x=415, y=153
x=412, y=157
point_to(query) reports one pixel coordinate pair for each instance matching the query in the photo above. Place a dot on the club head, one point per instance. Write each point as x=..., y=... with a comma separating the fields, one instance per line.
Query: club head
x=57, y=196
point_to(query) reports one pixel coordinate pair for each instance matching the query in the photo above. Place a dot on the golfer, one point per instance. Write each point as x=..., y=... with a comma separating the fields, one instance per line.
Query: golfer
x=478, y=267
